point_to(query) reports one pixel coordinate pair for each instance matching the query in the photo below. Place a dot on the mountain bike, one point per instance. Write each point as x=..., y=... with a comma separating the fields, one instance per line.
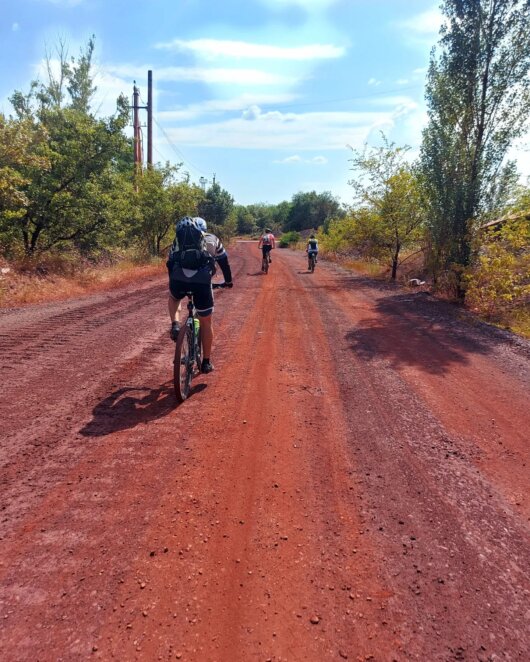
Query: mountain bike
x=188, y=350
x=312, y=261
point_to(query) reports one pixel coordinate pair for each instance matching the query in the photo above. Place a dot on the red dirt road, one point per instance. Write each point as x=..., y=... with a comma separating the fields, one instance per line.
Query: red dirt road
x=350, y=483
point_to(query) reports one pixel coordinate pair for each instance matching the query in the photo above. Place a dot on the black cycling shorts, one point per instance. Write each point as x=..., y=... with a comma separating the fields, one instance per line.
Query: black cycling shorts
x=266, y=249
x=202, y=295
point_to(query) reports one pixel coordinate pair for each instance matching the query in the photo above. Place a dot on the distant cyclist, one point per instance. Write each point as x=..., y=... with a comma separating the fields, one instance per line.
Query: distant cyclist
x=312, y=247
x=191, y=265
x=267, y=242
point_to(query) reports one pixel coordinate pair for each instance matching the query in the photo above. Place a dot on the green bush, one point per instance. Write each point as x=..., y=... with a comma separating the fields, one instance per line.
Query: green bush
x=289, y=238
x=499, y=282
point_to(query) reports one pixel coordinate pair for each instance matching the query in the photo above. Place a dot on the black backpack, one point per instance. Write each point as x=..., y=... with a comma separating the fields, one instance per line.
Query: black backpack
x=190, y=251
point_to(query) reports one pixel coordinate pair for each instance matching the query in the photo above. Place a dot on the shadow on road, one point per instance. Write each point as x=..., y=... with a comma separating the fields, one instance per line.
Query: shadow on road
x=413, y=330
x=129, y=406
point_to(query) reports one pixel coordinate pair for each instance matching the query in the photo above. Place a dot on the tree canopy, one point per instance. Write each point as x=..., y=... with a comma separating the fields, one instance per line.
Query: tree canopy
x=478, y=96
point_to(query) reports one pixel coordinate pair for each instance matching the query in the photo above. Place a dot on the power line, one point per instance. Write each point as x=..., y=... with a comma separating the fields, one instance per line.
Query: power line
x=177, y=150
x=356, y=98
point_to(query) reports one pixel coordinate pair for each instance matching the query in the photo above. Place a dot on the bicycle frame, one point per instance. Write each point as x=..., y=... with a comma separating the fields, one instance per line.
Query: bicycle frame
x=190, y=322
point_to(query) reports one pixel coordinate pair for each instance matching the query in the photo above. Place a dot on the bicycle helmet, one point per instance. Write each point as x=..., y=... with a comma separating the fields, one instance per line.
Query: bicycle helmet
x=268, y=230
x=186, y=222
x=201, y=223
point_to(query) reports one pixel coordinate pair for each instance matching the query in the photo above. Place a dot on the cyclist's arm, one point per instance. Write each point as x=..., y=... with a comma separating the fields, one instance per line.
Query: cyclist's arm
x=171, y=255
x=273, y=241
x=260, y=242
x=225, y=268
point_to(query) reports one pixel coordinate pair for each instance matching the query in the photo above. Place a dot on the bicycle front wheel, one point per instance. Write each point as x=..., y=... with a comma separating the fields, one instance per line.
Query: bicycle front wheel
x=183, y=363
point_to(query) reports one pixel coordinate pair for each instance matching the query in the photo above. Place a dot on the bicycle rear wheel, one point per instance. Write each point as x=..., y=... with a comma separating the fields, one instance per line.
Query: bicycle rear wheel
x=198, y=351
x=265, y=265
x=312, y=263
x=183, y=363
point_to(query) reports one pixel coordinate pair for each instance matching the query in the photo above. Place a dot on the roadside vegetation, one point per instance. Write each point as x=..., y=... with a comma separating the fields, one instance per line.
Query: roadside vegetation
x=71, y=201
x=456, y=217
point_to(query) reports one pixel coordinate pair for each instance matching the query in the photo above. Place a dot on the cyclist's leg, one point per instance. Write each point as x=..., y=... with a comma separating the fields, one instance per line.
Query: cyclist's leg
x=203, y=301
x=173, y=306
x=263, y=257
x=176, y=293
x=206, y=335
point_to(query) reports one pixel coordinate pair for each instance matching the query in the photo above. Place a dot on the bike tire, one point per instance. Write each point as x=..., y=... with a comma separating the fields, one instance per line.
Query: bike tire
x=265, y=265
x=198, y=351
x=183, y=364
x=311, y=264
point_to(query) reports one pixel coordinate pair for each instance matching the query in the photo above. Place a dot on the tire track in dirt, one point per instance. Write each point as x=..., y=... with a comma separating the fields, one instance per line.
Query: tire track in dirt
x=447, y=530
x=355, y=493
x=267, y=536
x=75, y=484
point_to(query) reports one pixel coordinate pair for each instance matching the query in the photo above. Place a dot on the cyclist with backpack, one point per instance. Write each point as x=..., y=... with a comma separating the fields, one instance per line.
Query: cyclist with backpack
x=191, y=264
x=267, y=242
x=312, y=247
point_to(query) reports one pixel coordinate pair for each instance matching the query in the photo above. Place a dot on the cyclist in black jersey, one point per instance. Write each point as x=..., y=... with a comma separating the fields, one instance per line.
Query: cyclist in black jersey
x=209, y=251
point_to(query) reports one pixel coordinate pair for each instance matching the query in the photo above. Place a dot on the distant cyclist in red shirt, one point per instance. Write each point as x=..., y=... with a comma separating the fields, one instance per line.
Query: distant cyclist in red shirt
x=267, y=242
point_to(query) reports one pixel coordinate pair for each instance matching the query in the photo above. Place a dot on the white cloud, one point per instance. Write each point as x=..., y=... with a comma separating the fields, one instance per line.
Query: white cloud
x=290, y=159
x=300, y=132
x=233, y=76
x=254, y=112
x=239, y=104
x=374, y=82
x=402, y=81
x=427, y=23
x=215, y=48
x=15, y=27
x=316, y=160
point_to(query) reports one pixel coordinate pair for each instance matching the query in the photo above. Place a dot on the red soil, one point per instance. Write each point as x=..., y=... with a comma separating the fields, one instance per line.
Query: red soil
x=350, y=483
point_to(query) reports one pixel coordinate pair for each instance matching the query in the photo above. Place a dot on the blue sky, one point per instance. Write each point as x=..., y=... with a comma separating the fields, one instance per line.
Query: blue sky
x=266, y=94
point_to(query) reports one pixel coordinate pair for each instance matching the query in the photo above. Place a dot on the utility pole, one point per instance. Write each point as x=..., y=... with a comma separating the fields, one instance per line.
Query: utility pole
x=149, y=118
x=136, y=130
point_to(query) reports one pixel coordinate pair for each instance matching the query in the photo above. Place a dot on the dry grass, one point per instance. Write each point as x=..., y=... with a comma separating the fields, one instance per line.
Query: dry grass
x=360, y=266
x=18, y=288
x=516, y=321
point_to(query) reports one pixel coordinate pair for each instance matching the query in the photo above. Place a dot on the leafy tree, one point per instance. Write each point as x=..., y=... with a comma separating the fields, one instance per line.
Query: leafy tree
x=155, y=206
x=217, y=205
x=311, y=210
x=391, y=212
x=68, y=199
x=20, y=144
x=162, y=200
x=245, y=222
x=478, y=97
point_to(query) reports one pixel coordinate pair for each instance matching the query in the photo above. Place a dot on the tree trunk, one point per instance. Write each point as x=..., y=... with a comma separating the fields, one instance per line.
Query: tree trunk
x=395, y=262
